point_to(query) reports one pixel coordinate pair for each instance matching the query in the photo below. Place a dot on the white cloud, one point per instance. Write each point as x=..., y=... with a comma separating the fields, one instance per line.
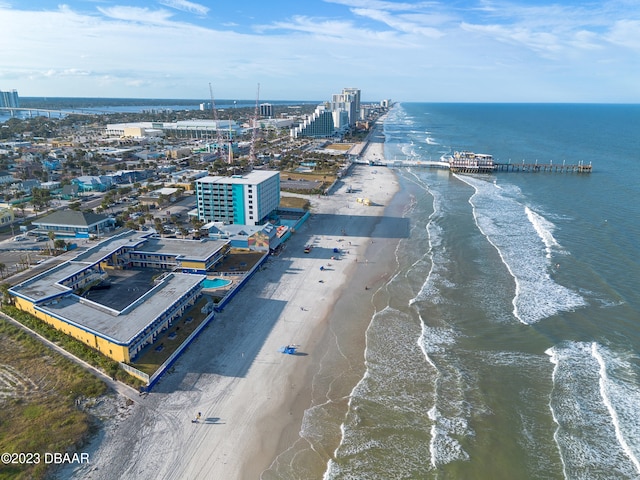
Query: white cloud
x=137, y=14
x=138, y=83
x=382, y=5
x=543, y=42
x=586, y=40
x=626, y=33
x=332, y=30
x=70, y=72
x=403, y=23
x=186, y=6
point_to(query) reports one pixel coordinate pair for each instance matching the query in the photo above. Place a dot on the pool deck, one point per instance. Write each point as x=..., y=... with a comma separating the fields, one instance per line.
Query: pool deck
x=219, y=283
x=222, y=290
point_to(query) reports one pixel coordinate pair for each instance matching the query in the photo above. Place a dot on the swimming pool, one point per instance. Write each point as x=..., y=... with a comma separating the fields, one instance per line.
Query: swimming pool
x=215, y=283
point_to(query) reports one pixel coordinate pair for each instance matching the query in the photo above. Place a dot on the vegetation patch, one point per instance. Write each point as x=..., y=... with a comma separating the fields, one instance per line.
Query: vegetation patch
x=40, y=402
x=342, y=147
x=294, y=202
x=312, y=177
x=73, y=346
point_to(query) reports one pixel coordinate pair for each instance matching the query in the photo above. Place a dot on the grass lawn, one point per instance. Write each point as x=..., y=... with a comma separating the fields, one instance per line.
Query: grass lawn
x=342, y=147
x=294, y=202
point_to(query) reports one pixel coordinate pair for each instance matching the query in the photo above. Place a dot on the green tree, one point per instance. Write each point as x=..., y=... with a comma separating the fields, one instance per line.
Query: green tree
x=40, y=198
x=52, y=237
x=60, y=244
x=7, y=298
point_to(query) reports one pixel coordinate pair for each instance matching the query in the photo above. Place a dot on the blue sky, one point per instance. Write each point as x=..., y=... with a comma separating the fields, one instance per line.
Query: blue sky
x=435, y=51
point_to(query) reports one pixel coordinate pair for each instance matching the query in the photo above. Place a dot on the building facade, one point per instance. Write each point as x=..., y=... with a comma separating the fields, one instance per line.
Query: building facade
x=206, y=129
x=318, y=125
x=266, y=110
x=9, y=99
x=332, y=118
x=71, y=223
x=347, y=101
x=240, y=199
x=133, y=320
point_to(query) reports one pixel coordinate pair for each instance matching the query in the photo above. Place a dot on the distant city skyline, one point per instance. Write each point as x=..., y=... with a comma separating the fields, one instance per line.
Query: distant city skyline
x=465, y=51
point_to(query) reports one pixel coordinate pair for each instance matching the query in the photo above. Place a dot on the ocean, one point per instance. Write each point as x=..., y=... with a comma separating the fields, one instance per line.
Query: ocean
x=509, y=347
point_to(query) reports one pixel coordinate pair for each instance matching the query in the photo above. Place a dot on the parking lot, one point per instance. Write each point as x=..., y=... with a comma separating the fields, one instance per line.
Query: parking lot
x=300, y=184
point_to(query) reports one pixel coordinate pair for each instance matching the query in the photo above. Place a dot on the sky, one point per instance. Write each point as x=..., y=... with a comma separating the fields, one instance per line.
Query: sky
x=412, y=51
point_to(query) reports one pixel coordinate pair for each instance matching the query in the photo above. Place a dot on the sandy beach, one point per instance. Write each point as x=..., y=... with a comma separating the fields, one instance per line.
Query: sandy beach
x=251, y=397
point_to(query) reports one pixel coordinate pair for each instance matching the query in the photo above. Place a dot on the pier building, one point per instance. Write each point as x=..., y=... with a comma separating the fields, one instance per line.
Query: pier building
x=469, y=162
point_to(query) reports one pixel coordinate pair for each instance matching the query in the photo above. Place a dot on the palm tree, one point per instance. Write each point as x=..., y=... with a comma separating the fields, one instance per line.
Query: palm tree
x=7, y=298
x=52, y=236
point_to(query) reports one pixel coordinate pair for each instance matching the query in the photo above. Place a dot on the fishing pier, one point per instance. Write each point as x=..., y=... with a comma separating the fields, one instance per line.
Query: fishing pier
x=469, y=162
x=542, y=167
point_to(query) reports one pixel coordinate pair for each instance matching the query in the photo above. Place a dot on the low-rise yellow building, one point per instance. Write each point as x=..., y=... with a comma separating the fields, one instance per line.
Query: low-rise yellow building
x=150, y=282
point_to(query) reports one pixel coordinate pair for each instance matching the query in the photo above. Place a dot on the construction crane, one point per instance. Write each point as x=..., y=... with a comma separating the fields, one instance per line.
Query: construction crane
x=215, y=119
x=230, y=145
x=252, y=151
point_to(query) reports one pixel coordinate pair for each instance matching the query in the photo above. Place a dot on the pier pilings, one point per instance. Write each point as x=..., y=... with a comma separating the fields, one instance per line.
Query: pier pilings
x=542, y=167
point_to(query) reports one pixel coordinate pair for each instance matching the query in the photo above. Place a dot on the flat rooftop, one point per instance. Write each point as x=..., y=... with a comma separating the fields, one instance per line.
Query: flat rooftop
x=121, y=319
x=123, y=327
x=184, y=249
x=252, y=178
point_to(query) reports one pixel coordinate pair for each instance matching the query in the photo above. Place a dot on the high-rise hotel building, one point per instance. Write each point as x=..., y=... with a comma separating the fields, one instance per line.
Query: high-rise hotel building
x=333, y=117
x=9, y=99
x=354, y=107
x=240, y=199
x=266, y=110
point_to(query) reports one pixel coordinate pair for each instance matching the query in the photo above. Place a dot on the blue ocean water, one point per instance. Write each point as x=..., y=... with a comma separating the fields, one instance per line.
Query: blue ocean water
x=510, y=345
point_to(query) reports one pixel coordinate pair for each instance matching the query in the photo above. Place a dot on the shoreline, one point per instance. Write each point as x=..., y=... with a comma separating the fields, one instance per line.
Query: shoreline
x=356, y=302
x=252, y=398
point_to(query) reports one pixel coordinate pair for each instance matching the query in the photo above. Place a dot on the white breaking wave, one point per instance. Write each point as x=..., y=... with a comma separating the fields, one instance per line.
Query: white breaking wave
x=443, y=447
x=594, y=405
x=544, y=228
x=524, y=241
